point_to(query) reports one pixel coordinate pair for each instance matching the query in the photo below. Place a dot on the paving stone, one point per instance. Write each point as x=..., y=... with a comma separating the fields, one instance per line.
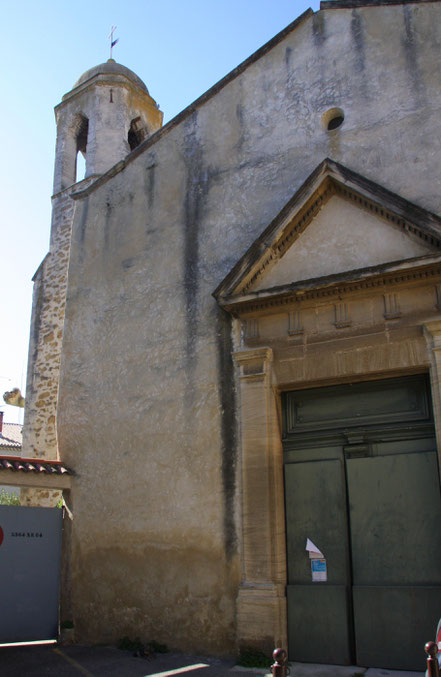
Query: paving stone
x=314, y=670
x=381, y=672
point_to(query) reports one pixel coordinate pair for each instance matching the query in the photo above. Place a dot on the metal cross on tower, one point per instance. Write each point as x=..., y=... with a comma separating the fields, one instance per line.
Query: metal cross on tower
x=112, y=41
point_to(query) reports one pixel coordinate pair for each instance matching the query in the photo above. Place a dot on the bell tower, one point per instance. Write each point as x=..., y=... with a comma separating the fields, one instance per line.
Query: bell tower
x=107, y=114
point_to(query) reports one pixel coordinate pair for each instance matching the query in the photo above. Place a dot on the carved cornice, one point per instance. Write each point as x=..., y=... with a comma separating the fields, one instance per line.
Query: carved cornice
x=336, y=287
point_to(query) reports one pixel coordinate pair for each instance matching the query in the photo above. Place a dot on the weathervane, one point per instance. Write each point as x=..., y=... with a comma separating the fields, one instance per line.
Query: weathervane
x=112, y=41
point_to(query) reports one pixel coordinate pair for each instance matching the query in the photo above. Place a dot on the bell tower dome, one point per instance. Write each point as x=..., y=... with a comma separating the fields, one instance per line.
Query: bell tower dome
x=108, y=112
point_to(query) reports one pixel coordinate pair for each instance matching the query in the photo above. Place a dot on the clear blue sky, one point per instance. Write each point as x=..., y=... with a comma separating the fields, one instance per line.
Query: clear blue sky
x=179, y=48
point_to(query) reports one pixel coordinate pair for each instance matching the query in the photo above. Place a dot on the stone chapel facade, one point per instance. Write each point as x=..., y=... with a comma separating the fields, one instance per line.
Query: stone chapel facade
x=235, y=345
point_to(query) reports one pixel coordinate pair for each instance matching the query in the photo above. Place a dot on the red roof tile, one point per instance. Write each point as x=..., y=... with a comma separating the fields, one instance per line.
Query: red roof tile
x=17, y=464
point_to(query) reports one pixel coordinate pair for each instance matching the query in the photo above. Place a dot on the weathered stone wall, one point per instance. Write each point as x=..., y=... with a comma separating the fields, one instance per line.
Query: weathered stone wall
x=50, y=282
x=147, y=404
x=48, y=307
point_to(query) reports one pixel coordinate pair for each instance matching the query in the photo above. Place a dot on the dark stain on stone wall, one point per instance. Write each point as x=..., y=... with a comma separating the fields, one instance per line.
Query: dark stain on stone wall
x=128, y=263
x=227, y=399
x=357, y=34
x=240, y=115
x=196, y=190
x=318, y=29
x=358, y=40
x=37, y=309
x=83, y=226
x=149, y=183
x=107, y=223
x=411, y=56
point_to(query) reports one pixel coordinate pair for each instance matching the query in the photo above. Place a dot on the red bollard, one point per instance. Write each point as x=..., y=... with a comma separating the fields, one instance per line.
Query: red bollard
x=432, y=660
x=279, y=667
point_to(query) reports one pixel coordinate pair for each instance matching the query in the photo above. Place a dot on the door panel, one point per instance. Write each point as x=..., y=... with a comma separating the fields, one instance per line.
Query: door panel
x=378, y=403
x=318, y=612
x=395, y=512
x=362, y=482
x=316, y=509
x=318, y=629
x=392, y=624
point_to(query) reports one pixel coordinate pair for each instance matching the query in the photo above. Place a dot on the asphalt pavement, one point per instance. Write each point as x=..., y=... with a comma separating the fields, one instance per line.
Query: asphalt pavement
x=74, y=661
x=97, y=661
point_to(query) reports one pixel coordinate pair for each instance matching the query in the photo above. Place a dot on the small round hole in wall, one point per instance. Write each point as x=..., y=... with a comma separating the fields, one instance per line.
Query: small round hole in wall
x=333, y=119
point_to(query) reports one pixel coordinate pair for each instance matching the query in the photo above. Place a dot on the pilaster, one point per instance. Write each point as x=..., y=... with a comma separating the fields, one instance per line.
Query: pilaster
x=432, y=333
x=261, y=600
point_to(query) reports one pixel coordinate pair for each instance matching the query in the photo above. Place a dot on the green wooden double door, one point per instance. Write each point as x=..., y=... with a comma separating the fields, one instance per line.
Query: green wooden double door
x=362, y=483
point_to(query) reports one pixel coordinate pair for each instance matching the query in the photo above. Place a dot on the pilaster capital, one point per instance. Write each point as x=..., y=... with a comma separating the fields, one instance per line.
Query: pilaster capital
x=245, y=356
x=432, y=333
x=254, y=363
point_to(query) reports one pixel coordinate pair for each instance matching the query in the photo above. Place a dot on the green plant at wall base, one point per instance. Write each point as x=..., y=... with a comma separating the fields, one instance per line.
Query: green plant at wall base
x=156, y=647
x=127, y=644
x=252, y=658
x=9, y=499
x=66, y=625
x=136, y=645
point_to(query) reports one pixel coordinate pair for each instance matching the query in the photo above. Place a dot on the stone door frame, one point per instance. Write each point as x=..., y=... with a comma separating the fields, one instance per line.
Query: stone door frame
x=261, y=604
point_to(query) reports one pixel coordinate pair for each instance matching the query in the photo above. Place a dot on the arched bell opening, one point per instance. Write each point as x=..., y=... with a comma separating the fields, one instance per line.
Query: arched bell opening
x=81, y=129
x=137, y=133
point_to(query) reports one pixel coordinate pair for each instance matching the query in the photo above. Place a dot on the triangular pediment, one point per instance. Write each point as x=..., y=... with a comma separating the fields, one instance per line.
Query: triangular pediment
x=336, y=224
x=341, y=237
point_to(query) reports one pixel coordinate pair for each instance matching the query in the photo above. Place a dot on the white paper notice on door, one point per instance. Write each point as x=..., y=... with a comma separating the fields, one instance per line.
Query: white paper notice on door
x=313, y=550
x=319, y=570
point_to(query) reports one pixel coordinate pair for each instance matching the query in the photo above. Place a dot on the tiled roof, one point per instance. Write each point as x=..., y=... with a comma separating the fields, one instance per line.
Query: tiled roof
x=10, y=437
x=17, y=463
